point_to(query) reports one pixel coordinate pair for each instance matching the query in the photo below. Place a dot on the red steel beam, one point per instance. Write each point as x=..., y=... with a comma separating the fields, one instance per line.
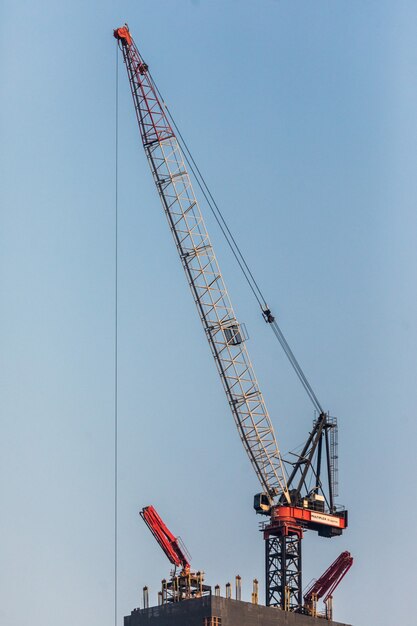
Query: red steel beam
x=164, y=537
x=331, y=578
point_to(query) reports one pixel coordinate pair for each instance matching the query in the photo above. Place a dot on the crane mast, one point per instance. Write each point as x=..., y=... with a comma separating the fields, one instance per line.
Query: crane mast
x=291, y=503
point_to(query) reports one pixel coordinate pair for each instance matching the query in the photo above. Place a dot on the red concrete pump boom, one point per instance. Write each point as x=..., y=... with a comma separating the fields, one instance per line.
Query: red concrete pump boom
x=327, y=583
x=170, y=545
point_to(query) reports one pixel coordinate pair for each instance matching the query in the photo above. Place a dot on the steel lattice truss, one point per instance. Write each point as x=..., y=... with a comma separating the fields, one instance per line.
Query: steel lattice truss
x=223, y=331
x=283, y=572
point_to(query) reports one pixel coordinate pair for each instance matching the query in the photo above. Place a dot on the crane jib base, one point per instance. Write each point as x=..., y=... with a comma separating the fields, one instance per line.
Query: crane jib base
x=327, y=525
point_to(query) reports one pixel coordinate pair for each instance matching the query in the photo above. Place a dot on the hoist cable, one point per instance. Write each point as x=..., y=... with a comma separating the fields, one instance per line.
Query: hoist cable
x=296, y=366
x=116, y=243
x=237, y=253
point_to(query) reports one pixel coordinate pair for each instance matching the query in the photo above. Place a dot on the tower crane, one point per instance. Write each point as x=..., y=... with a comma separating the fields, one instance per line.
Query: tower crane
x=293, y=503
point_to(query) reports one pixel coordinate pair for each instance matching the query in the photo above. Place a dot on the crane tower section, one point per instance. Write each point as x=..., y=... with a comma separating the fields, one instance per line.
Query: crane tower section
x=224, y=333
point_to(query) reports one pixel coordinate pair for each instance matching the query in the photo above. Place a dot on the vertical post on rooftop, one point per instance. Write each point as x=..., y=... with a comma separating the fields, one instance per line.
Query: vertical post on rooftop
x=238, y=587
x=164, y=591
x=145, y=598
x=329, y=608
x=255, y=591
x=314, y=605
x=228, y=591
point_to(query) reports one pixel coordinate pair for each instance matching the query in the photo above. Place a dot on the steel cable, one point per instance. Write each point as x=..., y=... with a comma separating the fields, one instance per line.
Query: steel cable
x=116, y=337
x=238, y=255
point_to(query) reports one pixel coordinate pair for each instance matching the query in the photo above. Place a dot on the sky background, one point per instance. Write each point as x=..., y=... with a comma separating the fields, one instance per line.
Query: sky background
x=302, y=116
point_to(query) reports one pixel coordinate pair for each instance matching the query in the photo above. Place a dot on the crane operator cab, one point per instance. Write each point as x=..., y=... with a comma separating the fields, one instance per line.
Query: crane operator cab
x=262, y=503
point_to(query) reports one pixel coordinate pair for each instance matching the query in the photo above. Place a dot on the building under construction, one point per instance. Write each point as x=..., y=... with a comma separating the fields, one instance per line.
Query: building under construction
x=216, y=611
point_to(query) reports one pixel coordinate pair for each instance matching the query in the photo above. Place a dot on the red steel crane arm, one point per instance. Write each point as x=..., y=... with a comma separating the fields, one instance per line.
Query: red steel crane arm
x=327, y=583
x=169, y=544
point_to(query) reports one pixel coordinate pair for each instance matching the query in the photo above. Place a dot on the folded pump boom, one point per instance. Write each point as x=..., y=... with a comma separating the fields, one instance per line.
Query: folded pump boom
x=324, y=587
x=169, y=544
x=185, y=584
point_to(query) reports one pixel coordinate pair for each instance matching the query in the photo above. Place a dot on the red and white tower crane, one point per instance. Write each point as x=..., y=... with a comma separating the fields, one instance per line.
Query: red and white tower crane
x=303, y=499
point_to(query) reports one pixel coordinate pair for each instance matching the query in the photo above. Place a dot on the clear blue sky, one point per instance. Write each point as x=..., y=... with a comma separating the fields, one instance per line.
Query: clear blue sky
x=302, y=116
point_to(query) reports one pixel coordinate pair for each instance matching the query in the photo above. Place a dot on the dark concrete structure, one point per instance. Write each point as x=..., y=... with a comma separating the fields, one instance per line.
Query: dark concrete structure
x=216, y=611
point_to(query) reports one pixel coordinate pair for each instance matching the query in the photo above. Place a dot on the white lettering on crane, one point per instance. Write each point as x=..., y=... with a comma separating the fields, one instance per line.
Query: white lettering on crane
x=322, y=518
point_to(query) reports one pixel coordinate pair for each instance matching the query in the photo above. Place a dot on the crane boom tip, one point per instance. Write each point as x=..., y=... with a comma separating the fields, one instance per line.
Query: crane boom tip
x=123, y=34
